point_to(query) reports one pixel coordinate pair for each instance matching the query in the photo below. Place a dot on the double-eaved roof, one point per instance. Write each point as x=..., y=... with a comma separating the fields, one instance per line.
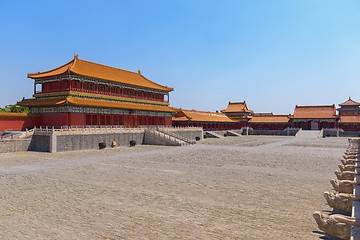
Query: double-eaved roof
x=349, y=102
x=98, y=71
x=349, y=119
x=235, y=107
x=183, y=115
x=93, y=103
x=315, y=112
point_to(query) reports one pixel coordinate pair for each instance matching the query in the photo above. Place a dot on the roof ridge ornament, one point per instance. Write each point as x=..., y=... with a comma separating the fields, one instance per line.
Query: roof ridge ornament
x=76, y=56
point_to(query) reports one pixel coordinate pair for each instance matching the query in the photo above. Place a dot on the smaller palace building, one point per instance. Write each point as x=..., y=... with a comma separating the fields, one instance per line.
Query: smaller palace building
x=314, y=117
x=83, y=93
x=239, y=112
x=206, y=120
x=349, y=114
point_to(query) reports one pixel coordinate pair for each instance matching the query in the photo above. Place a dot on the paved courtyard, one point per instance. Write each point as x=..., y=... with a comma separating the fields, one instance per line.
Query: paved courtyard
x=246, y=187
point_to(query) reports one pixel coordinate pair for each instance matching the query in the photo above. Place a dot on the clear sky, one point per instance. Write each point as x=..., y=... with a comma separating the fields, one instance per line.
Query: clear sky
x=273, y=54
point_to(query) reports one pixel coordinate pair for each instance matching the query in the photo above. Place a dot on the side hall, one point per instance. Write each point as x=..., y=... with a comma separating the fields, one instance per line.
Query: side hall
x=207, y=120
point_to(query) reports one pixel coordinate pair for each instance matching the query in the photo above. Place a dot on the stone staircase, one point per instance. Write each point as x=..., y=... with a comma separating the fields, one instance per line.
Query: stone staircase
x=213, y=134
x=174, y=135
x=233, y=133
x=16, y=135
x=309, y=133
x=155, y=137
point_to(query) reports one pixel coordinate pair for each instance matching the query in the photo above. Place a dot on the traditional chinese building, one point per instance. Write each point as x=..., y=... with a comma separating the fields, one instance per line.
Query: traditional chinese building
x=349, y=114
x=206, y=120
x=86, y=93
x=314, y=117
x=269, y=121
x=239, y=112
x=349, y=107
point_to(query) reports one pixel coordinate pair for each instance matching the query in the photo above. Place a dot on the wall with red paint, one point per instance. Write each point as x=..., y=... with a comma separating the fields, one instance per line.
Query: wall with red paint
x=18, y=123
x=76, y=119
x=350, y=126
x=168, y=121
x=54, y=119
x=269, y=126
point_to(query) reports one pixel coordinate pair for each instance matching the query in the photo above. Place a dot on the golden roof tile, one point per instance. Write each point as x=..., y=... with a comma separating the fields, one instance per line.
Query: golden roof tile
x=17, y=115
x=270, y=119
x=349, y=119
x=324, y=111
x=93, y=103
x=99, y=71
x=237, y=107
x=349, y=102
x=201, y=116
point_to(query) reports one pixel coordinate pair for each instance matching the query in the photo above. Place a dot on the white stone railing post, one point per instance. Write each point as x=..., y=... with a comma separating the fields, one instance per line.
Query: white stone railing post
x=355, y=230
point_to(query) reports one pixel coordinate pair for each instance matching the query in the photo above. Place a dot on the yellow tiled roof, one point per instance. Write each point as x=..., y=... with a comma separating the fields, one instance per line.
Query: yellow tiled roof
x=93, y=103
x=95, y=70
x=349, y=102
x=237, y=107
x=42, y=102
x=325, y=111
x=349, y=119
x=200, y=116
x=270, y=119
x=16, y=115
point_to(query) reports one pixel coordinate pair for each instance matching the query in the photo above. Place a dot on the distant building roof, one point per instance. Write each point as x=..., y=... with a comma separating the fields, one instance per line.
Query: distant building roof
x=263, y=114
x=237, y=107
x=324, y=111
x=98, y=71
x=270, y=118
x=200, y=116
x=349, y=102
x=349, y=119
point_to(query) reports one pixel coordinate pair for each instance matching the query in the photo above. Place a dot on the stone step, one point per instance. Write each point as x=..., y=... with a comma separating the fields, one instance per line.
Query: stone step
x=232, y=133
x=309, y=134
x=213, y=134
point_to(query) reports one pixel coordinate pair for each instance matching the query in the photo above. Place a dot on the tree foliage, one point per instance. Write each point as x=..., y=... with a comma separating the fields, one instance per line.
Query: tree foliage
x=14, y=108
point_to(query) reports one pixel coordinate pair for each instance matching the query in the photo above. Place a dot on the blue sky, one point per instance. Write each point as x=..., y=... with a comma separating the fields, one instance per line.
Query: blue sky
x=273, y=54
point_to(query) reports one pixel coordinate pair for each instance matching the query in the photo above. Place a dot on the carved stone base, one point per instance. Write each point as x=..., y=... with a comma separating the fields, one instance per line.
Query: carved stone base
x=350, y=156
x=348, y=161
x=347, y=167
x=343, y=186
x=336, y=225
x=342, y=201
x=346, y=175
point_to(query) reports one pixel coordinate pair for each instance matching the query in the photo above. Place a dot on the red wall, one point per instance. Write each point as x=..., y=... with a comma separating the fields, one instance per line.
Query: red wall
x=54, y=119
x=18, y=123
x=63, y=119
x=76, y=119
x=269, y=126
x=168, y=121
x=350, y=126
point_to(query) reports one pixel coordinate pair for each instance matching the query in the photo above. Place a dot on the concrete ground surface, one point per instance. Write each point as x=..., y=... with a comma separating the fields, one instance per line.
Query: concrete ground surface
x=250, y=187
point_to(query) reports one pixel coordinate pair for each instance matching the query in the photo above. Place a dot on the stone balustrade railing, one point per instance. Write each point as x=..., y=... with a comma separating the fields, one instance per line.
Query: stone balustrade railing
x=346, y=197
